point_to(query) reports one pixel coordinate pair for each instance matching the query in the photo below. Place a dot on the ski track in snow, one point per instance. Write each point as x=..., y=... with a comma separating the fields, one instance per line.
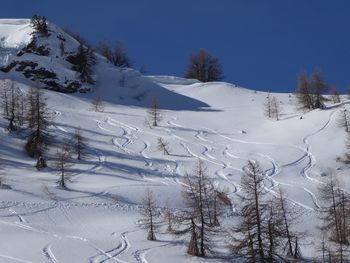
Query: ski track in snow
x=270, y=173
x=128, y=137
x=113, y=253
x=140, y=255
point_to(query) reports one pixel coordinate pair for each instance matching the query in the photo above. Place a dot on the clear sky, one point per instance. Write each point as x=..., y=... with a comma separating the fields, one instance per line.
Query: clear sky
x=262, y=44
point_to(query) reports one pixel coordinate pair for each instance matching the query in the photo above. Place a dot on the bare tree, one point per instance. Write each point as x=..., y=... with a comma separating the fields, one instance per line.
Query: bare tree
x=310, y=91
x=204, y=67
x=97, y=103
x=304, y=93
x=150, y=220
x=20, y=110
x=11, y=103
x=335, y=212
x=344, y=120
x=249, y=238
x=198, y=220
x=272, y=107
x=121, y=58
x=62, y=163
x=75, y=35
x=267, y=106
x=154, y=115
x=5, y=97
x=168, y=216
x=104, y=49
x=318, y=86
x=79, y=144
x=335, y=95
x=288, y=216
x=163, y=146
x=38, y=122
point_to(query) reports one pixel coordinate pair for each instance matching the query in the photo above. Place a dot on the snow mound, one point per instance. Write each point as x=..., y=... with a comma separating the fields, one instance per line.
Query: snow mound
x=15, y=33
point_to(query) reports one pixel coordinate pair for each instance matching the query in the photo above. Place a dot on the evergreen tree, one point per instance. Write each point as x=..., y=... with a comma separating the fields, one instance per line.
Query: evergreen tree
x=83, y=62
x=40, y=26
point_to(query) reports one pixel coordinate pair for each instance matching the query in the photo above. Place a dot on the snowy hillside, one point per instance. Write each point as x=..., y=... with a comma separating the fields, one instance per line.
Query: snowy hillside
x=96, y=218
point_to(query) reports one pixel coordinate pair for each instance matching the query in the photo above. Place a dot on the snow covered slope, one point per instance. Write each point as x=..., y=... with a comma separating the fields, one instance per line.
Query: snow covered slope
x=95, y=218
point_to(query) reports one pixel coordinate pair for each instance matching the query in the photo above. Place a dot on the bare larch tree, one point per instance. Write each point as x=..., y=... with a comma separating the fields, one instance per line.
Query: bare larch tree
x=79, y=143
x=63, y=163
x=335, y=95
x=267, y=106
x=163, y=146
x=154, y=115
x=97, y=103
x=38, y=122
x=11, y=102
x=318, y=86
x=249, y=238
x=150, y=220
x=344, y=120
x=119, y=57
x=198, y=219
x=304, y=93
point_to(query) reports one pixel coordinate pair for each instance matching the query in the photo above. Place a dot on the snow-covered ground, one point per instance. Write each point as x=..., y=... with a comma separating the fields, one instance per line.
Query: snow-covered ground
x=95, y=218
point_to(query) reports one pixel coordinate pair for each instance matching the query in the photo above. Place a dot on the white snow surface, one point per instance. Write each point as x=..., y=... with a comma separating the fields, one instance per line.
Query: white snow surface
x=95, y=218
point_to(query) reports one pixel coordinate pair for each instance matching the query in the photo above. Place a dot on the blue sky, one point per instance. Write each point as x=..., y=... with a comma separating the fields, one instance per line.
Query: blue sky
x=262, y=45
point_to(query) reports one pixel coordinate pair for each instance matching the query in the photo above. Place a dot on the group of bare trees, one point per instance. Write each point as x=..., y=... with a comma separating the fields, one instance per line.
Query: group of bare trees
x=12, y=104
x=204, y=67
x=77, y=145
x=310, y=91
x=29, y=112
x=265, y=231
x=119, y=57
x=336, y=221
x=272, y=107
x=199, y=221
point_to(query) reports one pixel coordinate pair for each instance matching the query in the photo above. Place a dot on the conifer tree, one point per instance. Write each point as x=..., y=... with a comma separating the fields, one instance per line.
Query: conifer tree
x=83, y=62
x=40, y=26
